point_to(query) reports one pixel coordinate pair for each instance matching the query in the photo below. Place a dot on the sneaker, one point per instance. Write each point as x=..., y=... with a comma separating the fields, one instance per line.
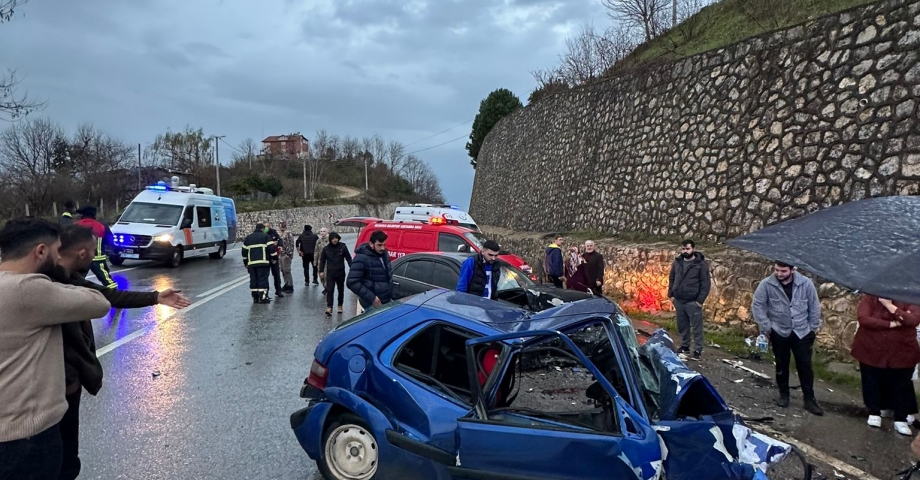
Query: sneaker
x=340, y=310
x=329, y=312
x=306, y=283
x=278, y=294
x=811, y=406
x=697, y=354
x=783, y=400
x=315, y=282
x=874, y=421
x=684, y=350
x=887, y=414
x=903, y=428
x=911, y=419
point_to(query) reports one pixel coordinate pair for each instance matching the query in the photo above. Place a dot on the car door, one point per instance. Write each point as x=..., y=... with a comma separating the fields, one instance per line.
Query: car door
x=415, y=278
x=533, y=447
x=445, y=275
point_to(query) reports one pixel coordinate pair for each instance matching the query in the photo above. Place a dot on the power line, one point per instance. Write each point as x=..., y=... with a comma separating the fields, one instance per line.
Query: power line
x=438, y=145
x=231, y=146
x=435, y=135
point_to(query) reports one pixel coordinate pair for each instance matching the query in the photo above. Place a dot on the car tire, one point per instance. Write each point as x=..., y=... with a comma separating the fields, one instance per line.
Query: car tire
x=220, y=252
x=117, y=261
x=176, y=259
x=350, y=451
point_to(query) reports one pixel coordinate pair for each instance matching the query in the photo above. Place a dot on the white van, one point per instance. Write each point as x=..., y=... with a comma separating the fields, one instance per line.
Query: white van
x=167, y=223
x=424, y=212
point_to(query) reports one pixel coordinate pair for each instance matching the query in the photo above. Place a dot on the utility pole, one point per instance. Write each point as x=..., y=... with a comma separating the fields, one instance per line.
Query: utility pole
x=673, y=13
x=217, y=159
x=140, y=186
x=304, y=158
x=366, y=154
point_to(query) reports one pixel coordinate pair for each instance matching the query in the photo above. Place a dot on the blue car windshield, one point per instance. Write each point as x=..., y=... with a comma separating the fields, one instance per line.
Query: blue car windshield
x=367, y=314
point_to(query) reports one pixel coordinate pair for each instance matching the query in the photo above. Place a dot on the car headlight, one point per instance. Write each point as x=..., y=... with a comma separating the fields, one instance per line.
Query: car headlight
x=163, y=238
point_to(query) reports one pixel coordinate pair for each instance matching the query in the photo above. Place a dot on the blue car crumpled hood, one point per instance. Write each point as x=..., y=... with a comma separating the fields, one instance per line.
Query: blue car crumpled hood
x=701, y=437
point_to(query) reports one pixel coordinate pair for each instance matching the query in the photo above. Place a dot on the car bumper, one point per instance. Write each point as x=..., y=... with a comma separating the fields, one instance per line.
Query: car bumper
x=307, y=424
x=156, y=251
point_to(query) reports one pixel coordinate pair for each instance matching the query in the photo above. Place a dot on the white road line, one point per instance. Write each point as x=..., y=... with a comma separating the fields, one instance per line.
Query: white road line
x=131, y=336
x=813, y=452
x=205, y=294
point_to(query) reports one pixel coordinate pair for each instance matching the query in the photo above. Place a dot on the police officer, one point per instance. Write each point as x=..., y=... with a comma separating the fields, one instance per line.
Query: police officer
x=67, y=216
x=103, y=235
x=275, y=266
x=258, y=249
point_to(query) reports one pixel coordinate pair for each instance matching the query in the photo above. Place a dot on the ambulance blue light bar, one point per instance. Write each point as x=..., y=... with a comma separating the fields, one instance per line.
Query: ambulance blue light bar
x=159, y=187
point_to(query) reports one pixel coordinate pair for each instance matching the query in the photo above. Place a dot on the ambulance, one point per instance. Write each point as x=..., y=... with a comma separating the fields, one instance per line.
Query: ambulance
x=424, y=212
x=168, y=223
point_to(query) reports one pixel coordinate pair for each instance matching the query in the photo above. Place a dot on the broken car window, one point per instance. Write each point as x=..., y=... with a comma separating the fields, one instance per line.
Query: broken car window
x=436, y=357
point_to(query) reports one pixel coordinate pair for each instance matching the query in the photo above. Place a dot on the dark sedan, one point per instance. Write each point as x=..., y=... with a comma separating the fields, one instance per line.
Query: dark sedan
x=420, y=272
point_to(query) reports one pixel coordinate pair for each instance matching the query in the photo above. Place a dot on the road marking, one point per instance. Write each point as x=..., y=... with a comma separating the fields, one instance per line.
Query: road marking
x=813, y=452
x=138, y=333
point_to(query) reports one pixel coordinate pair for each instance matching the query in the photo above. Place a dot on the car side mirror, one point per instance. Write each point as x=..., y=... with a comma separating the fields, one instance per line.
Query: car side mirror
x=463, y=249
x=186, y=223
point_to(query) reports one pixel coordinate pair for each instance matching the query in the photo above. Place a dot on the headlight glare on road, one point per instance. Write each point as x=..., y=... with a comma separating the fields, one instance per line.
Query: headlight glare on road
x=166, y=238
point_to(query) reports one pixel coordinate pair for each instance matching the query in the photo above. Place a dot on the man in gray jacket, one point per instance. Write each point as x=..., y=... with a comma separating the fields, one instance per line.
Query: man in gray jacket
x=788, y=312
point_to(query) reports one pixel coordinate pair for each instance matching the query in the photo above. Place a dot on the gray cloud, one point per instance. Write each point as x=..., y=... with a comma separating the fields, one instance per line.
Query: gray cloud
x=403, y=69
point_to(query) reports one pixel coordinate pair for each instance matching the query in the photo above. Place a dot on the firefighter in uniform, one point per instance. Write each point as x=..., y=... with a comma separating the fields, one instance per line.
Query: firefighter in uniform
x=99, y=267
x=67, y=216
x=258, y=249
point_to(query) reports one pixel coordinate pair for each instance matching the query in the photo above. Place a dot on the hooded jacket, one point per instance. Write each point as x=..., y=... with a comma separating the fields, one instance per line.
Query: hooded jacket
x=333, y=258
x=552, y=261
x=689, y=280
x=370, y=276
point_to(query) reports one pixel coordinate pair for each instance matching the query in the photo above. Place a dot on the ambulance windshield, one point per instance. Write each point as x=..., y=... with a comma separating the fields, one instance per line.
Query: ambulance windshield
x=152, y=213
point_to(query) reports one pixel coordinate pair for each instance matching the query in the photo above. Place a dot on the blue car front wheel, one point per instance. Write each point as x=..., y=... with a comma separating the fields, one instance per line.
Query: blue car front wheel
x=350, y=450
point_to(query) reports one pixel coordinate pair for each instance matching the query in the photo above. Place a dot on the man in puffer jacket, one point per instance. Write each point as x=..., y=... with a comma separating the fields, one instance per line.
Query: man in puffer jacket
x=371, y=276
x=688, y=286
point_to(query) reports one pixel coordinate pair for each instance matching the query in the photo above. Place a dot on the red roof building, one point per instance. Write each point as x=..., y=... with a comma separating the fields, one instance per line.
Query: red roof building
x=293, y=145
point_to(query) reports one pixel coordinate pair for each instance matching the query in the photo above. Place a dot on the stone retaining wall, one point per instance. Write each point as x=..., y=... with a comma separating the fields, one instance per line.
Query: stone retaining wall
x=636, y=275
x=317, y=217
x=721, y=143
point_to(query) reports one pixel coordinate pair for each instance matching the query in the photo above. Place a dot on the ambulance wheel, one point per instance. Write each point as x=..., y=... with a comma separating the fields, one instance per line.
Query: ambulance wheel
x=176, y=258
x=220, y=251
x=117, y=261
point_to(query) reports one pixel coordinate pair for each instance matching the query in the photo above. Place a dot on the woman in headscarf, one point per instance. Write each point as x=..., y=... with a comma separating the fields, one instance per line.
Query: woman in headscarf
x=886, y=348
x=575, y=272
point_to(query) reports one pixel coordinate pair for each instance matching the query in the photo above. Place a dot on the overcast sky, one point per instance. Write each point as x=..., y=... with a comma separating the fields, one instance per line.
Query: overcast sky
x=404, y=69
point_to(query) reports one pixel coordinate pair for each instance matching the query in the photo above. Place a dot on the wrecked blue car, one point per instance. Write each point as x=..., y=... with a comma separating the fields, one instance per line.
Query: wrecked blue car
x=446, y=385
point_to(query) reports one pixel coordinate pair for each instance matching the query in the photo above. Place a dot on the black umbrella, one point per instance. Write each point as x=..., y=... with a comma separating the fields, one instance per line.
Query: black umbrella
x=870, y=245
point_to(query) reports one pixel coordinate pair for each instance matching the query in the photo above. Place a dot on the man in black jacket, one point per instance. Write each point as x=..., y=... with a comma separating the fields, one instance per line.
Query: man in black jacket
x=332, y=262
x=594, y=267
x=371, y=277
x=67, y=217
x=688, y=286
x=306, y=247
x=81, y=366
x=258, y=249
x=273, y=258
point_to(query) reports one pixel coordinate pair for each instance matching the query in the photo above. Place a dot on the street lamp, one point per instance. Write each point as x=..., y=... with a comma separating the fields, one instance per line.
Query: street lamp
x=217, y=159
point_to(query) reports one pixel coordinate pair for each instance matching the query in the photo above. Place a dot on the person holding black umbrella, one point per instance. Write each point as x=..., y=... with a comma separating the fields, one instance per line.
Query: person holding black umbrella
x=886, y=348
x=788, y=312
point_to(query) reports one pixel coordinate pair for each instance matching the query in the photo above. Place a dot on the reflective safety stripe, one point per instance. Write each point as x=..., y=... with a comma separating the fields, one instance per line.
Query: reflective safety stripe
x=248, y=251
x=256, y=263
x=99, y=249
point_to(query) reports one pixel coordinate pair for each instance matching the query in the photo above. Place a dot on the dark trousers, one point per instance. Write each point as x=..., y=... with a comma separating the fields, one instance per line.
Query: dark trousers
x=34, y=458
x=307, y=263
x=332, y=282
x=276, y=274
x=557, y=281
x=801, y=348
x=70, y=437
x=689, y=324
x=888, y=387
x=100, y=269
x=258, y=280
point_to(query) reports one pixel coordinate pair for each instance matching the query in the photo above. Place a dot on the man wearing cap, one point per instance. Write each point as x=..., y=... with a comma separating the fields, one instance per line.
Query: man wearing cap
x=479, y=274
x=103, y=234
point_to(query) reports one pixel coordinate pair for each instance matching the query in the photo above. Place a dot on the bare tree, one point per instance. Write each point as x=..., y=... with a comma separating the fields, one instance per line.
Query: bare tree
x=351, y=146
x=319, y=147
x=395, y=157
x=93, y=156
x=646, y=15
x=246, y=152
x=13, y=106
x=29, y=151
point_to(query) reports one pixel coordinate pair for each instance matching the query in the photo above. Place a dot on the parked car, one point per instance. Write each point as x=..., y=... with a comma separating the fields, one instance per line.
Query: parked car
x=420, y=272
x=447, y=385
x=438, y=235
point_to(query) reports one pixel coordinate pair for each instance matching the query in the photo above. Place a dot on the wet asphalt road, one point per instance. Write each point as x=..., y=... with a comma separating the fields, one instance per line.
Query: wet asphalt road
x=205, y=392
